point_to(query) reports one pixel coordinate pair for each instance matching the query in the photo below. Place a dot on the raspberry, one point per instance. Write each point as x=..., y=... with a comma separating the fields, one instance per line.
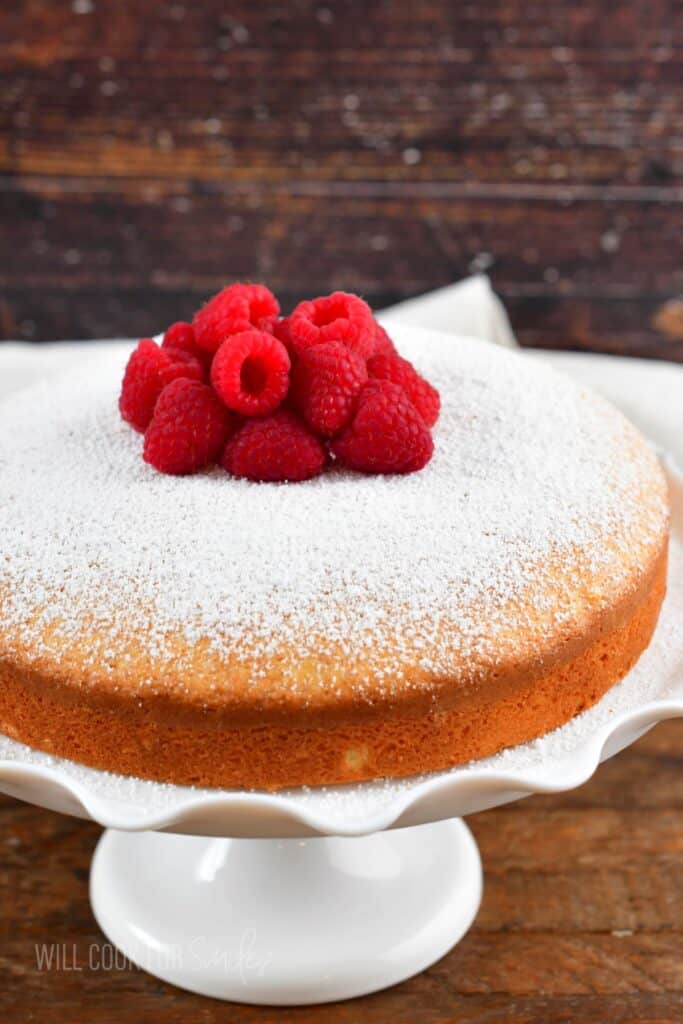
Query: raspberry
x=250, y=372
x=188, y=429
x=239, y=307
x=424, y=397
x=384, y=346
x=337, y=317
x=280, y=330
x=325, y=382
x=180, y=336
x=386, y=435
x=275, y=448
x=149, y=370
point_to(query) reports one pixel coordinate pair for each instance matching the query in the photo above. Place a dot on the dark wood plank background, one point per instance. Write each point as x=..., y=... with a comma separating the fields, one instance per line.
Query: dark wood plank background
x=151, y=150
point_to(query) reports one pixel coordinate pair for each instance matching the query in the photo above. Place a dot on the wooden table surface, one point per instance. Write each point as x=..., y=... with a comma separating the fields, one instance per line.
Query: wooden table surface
x=149, y=152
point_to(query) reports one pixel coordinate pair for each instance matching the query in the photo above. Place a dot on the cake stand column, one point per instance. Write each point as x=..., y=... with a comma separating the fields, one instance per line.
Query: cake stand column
x=287, y=922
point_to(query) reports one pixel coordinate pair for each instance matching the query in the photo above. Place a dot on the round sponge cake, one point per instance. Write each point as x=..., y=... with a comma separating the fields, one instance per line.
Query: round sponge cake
x=214, y=631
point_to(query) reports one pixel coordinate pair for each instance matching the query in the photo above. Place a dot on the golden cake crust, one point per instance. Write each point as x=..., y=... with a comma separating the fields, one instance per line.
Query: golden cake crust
x=177, y=741
x=503, y=642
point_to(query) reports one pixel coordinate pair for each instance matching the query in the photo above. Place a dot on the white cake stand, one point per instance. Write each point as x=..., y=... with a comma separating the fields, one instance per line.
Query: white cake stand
x=308, y=896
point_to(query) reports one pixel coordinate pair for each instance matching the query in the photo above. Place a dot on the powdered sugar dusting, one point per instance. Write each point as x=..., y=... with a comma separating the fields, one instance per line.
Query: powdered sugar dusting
x=657, y=677
x=529, y=470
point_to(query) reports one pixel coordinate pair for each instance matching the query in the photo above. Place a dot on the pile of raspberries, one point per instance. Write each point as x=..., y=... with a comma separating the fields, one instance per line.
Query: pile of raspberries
x=273, y=398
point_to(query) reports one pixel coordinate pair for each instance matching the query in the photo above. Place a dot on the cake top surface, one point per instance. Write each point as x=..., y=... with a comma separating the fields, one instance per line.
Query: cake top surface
x=541, y=506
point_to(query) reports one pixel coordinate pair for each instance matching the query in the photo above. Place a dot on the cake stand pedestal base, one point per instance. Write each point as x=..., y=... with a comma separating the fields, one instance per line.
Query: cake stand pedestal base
x=292, y=921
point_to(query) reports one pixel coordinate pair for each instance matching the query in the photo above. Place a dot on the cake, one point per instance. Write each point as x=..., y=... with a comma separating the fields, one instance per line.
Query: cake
x=213, y=631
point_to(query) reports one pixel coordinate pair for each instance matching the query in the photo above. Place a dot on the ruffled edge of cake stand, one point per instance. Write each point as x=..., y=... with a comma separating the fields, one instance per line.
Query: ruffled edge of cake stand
x=136, y=805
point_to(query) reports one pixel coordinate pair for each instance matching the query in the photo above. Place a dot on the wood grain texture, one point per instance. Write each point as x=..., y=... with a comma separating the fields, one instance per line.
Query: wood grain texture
x=581, y=921
x=149, y=152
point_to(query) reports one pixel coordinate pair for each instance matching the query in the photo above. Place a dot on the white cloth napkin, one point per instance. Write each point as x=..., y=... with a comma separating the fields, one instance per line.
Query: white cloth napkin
x=470, y=307
x=649, y=393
